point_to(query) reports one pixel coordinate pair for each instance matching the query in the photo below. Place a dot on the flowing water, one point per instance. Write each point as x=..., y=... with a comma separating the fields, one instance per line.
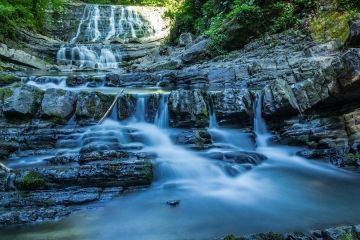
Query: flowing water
x=100, y=24
x=283, y=193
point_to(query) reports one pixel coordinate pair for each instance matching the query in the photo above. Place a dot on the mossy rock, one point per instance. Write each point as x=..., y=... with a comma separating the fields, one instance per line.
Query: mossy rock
x=230, y=237
x=7, y=79
x=347, y=236
x=330, y=26
x=5, y=93
x=32, y=181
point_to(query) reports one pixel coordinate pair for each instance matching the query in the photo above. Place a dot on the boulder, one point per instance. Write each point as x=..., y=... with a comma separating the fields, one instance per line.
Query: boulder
x=22, y=58
x=58, y=105
x=353, y=39
x=24, y=102
x=188, y=108
x=92, y=106
x=278, y=100
x=199, y=138
x=195, y=52
x=232, y=106
x=185, y=39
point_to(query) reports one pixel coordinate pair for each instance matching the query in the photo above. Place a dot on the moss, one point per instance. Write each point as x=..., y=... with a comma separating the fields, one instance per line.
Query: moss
x=347, y=236
x=61, y=92
x=32, y=181
x=5, y=93
x=330, y=26
x=17, y=85
x=7, y=79
x=269, y=236
x=38, y=95
x=230, y=237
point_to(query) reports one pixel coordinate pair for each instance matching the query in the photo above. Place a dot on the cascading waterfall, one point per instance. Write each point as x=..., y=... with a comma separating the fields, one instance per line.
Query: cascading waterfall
x=83, y=56
x=104, y=23
x=123, y=22
x=162, y=115
x=286, y=192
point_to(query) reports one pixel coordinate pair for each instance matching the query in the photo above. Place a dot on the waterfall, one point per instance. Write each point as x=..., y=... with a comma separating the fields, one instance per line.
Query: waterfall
x=262, y=135
x=162, y=115
x=123, y=22
x=97, y=57
x=212, y=115
x=112, y=31
x=101, y=23
x=140, y=108
x=93, y=27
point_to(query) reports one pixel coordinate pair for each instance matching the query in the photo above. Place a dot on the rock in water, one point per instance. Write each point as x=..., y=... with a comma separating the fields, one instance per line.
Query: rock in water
x=173, y=203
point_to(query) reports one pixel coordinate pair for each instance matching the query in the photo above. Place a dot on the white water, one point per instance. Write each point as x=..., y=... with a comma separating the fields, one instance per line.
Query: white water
x=96, y=57
x=284, y=193
x=105, y=23
x=124, y=22
x=162, y=115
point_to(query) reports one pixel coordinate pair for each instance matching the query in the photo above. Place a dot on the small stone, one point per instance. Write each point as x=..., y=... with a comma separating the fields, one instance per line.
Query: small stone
x=173, y=203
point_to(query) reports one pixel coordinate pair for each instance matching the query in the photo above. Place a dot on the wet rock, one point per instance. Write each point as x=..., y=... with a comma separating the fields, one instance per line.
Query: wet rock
x=23, y=102
x=77, y=80
x=91, y=106
x=5, y=174
x=195, y=52
x=338, y=233
x=71, y=196
x=354, y=35
x=123, y=173
x=239, y=157
x=58, y=105
x=188, y=108
x=103, y=155
x=185, y=39
x=30, y=215
x=63, y=159
x=220, y=78
x=232, y=107
x=199, y=138
x=349, y=78
x=279, y=100
x=22, y=58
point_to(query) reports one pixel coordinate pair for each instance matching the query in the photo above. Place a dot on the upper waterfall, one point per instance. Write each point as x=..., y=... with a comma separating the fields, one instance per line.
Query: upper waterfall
x=121, y=23
x=97, y=39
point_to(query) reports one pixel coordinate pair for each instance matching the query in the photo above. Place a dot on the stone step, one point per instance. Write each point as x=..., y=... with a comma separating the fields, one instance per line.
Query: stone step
x=118, y=173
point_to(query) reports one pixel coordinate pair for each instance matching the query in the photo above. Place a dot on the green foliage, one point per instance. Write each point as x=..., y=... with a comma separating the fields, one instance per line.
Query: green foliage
x=248, y=18
x=32, y=181
x=30, y=14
